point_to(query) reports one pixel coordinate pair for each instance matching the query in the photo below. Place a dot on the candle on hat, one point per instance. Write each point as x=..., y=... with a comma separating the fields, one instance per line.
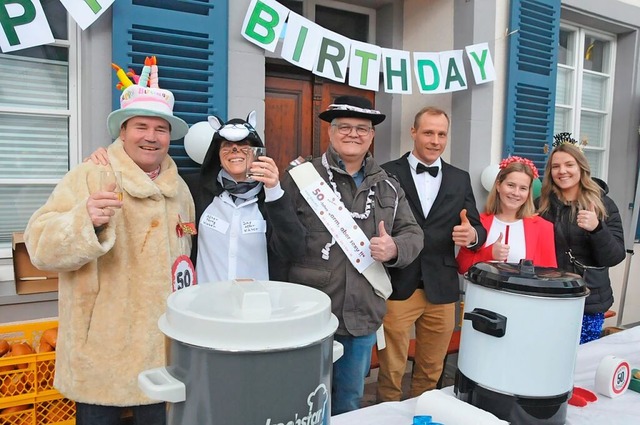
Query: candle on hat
x=126, y=82
x=153, y=81
x=144, y=75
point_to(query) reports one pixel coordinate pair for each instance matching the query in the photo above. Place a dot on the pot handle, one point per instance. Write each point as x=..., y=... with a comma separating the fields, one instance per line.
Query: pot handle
x=338, y=350
x=158, y=384
x=487, y=321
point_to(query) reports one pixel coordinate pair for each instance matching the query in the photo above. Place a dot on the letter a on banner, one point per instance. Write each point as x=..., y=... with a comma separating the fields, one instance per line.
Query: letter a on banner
x=263, y=23
x=452, y=67
x=85, y=12
x=23, y=25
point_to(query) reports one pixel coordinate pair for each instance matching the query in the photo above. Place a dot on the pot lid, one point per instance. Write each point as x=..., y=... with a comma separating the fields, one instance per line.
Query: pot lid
x=524, y=278
x=248, y=315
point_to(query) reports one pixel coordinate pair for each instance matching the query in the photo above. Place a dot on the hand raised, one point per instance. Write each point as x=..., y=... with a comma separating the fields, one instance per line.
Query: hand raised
x=588, y=219
x=499, y=250
x=382, y=247
x=463, y=234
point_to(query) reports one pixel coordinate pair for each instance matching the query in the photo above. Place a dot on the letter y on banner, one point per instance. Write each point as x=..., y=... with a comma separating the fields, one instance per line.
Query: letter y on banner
x=481, y=63
x=23, y=25
x=85, y=12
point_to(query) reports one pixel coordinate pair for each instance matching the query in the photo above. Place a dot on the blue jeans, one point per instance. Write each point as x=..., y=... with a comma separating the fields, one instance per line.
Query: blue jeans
x=349, y=372
x=93, y=414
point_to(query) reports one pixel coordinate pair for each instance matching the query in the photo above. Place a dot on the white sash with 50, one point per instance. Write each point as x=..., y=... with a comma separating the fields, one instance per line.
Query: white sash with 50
x=338, y=221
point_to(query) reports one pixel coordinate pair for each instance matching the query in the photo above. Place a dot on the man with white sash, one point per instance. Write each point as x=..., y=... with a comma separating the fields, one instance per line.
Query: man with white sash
x=357, y=223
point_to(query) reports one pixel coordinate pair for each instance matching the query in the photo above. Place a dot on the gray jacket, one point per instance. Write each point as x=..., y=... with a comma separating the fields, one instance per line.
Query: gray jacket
x=353, y=301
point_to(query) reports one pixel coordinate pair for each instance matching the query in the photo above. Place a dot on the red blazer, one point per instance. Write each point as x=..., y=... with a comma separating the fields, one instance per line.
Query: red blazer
x=538, y=236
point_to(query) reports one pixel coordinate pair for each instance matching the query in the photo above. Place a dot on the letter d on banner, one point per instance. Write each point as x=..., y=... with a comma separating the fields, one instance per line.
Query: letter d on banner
x=23, y=25
x=263, y=23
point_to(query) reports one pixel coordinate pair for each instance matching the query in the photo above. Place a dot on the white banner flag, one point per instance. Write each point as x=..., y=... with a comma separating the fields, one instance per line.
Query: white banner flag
x=24, y=25
x=85, y=12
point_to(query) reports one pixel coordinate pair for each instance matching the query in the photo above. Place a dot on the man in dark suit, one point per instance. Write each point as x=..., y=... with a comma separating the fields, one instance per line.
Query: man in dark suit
x=425, y=292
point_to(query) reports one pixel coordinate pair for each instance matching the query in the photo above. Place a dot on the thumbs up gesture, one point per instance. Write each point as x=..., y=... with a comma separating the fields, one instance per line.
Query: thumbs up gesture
x=588, y=219
x=499, y=250
x=383, y=248
x=464, y=233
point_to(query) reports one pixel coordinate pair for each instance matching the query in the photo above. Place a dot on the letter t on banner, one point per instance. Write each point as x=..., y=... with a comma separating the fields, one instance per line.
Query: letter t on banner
x=24, y=25
x=481, y=63
x=263, y=23
x=86, y=12
x=364, y=66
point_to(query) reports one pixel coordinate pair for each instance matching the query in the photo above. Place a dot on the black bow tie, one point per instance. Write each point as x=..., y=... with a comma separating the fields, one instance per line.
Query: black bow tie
x=431, y=170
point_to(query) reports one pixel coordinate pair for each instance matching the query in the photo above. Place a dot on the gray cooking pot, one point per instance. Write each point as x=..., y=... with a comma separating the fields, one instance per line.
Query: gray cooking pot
x=244, y=352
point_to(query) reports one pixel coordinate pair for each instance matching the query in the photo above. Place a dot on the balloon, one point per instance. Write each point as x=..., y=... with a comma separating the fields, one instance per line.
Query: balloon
x=489, y=175
x=197, y=140
x=536, y=186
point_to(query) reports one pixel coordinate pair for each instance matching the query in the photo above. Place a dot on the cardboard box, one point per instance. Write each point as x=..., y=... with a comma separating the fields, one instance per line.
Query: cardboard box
x=29, y=279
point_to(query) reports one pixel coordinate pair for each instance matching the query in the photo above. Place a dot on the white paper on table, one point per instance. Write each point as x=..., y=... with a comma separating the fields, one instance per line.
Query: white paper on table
x=449, y=410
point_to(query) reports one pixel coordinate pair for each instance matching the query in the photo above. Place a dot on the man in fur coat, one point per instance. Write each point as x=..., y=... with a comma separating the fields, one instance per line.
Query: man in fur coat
x=116, y=260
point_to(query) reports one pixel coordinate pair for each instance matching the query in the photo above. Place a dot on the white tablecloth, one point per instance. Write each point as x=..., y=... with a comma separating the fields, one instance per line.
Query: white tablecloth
x=622, y=410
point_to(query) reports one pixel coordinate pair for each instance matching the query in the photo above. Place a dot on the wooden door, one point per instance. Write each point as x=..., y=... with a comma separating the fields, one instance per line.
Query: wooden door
x=292, y=104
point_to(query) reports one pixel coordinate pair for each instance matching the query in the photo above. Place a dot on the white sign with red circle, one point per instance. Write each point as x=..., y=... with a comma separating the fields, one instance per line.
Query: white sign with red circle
x=612, y=376
x=183, y=274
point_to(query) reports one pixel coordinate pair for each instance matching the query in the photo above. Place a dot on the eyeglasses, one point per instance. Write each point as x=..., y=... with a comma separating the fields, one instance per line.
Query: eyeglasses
x=345, y=129
x=226, y=150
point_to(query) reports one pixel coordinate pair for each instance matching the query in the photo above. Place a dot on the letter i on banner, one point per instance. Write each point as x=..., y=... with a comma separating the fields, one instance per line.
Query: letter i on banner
x=263, y=23
x=481, y=63
x=85, y=12
x=301, y=41
x=24, y=25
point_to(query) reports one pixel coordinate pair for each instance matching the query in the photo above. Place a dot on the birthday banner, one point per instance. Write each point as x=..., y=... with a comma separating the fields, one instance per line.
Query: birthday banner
x=327, y=54
x=25, y=25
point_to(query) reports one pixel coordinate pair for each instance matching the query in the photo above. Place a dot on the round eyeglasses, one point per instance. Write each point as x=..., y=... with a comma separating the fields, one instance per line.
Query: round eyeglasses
x=345, y=129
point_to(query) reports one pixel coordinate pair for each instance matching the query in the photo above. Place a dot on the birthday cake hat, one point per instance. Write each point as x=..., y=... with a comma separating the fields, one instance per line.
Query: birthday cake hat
x=144, y=99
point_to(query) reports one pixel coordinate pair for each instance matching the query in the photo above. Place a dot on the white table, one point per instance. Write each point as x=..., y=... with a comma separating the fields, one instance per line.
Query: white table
x=622, y=410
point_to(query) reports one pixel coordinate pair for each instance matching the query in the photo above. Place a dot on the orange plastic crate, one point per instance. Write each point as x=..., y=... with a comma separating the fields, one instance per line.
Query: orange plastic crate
x=30, y=382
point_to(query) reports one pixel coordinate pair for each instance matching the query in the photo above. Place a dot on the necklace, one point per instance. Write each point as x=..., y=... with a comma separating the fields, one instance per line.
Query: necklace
x=361, y=216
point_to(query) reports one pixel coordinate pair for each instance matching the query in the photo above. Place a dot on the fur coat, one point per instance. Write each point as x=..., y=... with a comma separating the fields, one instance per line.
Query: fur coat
x=113, y=284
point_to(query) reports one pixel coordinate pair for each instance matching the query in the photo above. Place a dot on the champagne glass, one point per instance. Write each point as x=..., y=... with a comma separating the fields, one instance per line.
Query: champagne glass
x=252, y=155
x=111, y=181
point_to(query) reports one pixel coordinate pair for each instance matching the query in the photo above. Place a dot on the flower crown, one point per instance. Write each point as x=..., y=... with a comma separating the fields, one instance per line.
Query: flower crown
x=505, y=162
x=565, y=137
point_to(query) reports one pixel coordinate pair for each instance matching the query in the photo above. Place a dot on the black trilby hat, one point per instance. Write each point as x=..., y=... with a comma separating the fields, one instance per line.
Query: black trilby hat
x=352, y=107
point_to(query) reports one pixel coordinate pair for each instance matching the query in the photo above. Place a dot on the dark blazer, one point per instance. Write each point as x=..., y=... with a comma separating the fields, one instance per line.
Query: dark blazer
x=435, y=269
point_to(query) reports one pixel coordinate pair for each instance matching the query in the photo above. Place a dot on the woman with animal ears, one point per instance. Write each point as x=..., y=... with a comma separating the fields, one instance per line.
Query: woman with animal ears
x=239, y=221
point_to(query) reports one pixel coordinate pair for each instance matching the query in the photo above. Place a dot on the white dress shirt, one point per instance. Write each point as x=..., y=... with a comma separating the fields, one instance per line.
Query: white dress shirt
x=426, y=185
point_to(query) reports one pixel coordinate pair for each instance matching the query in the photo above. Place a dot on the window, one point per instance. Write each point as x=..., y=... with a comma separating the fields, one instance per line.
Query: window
x=352, y=21
x=584, y=91
x=38, y=120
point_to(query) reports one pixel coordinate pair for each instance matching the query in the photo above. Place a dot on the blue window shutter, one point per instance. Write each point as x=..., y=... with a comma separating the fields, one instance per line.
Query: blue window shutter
x=189, y=39
x=531, y=78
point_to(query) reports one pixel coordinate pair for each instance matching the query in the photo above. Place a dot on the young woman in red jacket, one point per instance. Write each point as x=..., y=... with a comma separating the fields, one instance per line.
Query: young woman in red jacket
x=514, y=231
